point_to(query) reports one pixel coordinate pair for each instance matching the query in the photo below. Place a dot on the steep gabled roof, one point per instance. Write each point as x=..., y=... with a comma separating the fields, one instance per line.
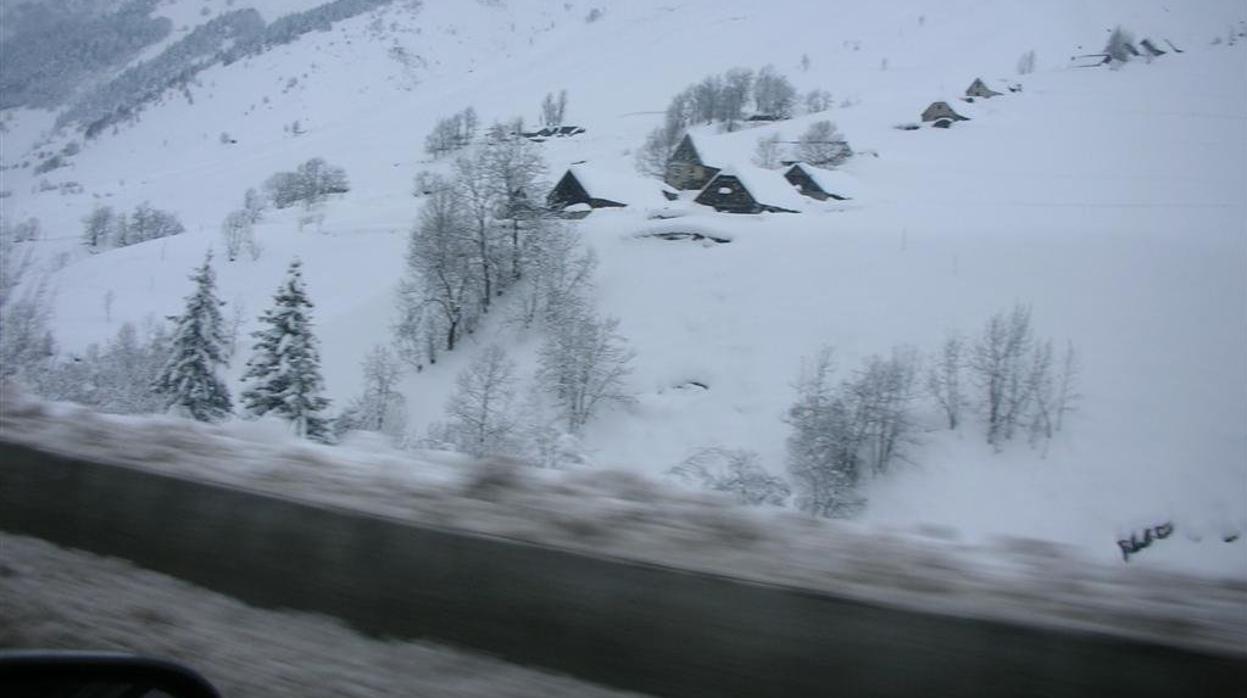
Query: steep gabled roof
x=620, y=187
x=767, y=187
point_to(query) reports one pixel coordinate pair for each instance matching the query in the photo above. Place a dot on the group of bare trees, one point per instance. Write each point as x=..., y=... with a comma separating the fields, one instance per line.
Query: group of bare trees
x=311, y=182
x=582, y=364
x=452, y=133
x=238, y=228
x=844, y=432
x=822, y=144
x=475, y=238
x=105, y=228
x=725, y=99
x=308, y=185
x=554, y=109
x=480, y=237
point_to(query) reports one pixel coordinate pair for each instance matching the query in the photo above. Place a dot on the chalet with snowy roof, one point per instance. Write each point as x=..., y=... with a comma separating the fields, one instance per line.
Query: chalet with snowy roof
x=583, y=185
x=941, y=110
x=750, y=190
x=818, y=183
x=690, y=166
x=980, y=89
x=548, y=132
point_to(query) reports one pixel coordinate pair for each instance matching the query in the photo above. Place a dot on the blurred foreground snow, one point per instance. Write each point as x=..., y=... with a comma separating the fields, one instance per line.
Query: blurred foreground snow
x=623, y=515
x=52, y=598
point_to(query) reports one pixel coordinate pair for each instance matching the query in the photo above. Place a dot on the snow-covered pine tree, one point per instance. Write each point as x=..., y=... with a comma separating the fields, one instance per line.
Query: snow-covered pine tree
x=284, y=372
x=189, y=381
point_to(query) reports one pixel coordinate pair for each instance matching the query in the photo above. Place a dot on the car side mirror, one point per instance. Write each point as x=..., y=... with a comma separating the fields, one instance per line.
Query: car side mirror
x=36, y=674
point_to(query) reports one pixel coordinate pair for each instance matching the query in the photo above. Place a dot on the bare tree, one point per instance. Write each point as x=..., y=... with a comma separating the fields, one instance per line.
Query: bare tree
x=515, y=168
x=479, y=199
x=944, y=379
x=823, y=145
x=880, y=395
x=97, y=228
x=998, y=366
x=559, y=274
x=707, y=96
x=1067, y=385
x=1026, y=63
x=823, y=447
x=381, y=407
x=438, y=294
x=817, y=101
x=773, y=94
x=737, y=89
x=736, y=472
x=452, y=133
x=254, y=204
x=653, y=155
x=767, y=152
x=480, y=413
x=237, y=233
x=583, y=364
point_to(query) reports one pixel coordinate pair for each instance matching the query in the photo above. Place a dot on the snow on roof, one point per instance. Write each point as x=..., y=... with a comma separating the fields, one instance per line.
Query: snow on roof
x=768, y=187
x=618, y=186
x=830, y=181
x=722, y=149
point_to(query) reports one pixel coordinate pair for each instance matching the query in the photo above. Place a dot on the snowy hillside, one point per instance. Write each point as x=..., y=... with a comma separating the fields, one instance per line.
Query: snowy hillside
x=1111, y=201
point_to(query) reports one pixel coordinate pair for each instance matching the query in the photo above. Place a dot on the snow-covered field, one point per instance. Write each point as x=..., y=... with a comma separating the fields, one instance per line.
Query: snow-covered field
x=53, y=598
x=1111, y=201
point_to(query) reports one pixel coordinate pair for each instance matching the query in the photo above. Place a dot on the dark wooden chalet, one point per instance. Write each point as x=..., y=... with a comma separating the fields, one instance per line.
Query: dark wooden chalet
x=818, y=183
x=687, y=167
x=750, y=190
x=980, y=89
x=941, y=110
x=597, y=188
x=570, y=190
x=541, y=135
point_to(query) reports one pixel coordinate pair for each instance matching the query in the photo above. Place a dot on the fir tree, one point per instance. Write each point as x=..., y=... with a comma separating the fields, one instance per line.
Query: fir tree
x=285, y=368
x=189, y=381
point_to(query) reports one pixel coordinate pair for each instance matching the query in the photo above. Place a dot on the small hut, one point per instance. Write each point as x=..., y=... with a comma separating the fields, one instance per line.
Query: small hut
x=689, y=166
x=941, y=110
x=820, y=184
x=750, y=190
x=589, y=186
x=980, y=89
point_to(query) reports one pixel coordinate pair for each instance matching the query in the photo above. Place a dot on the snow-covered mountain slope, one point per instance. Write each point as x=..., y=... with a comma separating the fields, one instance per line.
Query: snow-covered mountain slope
x=1112, y=201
